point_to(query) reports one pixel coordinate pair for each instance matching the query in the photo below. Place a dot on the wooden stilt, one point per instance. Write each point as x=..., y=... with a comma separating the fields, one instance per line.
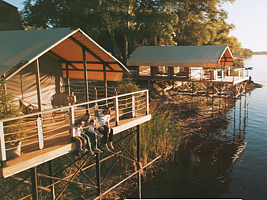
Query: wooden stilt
x=34, y=183
x=138, y=161
x=53, y=196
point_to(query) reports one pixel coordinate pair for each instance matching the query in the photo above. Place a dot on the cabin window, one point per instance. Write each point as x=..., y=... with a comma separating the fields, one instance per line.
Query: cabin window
x=144, y=70
x=162, y=71
x=179, y=71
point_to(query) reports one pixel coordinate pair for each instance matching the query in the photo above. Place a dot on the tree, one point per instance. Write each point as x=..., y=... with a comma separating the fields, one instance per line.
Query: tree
x=120, y=26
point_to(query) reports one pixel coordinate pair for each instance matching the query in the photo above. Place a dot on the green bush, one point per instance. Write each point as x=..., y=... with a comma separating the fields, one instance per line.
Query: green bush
x=7, y=110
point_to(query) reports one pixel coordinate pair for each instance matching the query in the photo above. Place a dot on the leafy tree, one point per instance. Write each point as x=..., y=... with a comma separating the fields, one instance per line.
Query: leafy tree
x=120, y=26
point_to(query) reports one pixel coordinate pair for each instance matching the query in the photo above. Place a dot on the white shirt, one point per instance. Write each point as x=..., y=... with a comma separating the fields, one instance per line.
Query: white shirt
x=103, y=119
x=79, y=131
x=91, y=128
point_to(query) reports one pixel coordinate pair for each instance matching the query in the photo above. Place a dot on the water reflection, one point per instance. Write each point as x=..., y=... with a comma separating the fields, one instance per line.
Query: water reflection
x=204, y=162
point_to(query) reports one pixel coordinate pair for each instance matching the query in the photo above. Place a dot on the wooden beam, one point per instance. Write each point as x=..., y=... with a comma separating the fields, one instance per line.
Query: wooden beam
x=38, y=86
x=92, y=70
x=85, y=76
x=68, y=79
x=92, y=62
x=89, y=51
x=62, y=59
x=105, y=81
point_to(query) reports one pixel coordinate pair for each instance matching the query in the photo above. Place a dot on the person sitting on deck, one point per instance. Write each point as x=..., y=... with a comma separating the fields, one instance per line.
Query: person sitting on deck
x=105, y=129
x=80, y=141
x=92, y=127
x=88, y=135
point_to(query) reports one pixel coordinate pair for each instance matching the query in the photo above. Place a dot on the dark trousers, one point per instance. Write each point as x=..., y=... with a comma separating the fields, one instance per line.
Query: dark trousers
x=90, y=137
x=106, y=137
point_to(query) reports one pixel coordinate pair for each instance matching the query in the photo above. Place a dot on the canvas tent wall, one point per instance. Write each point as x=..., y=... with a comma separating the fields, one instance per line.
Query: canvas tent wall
x=61, y=53
x=23, y=84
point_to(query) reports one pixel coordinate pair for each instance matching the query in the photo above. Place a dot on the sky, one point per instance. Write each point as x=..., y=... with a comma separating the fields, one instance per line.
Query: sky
x=248, y=16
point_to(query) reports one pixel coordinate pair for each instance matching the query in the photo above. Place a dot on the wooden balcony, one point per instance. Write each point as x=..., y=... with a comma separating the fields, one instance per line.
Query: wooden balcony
x=49, y=137
x=228, y=76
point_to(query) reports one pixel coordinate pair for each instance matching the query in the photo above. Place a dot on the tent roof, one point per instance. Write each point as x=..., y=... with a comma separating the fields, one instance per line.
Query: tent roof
x=20, y=48
x=187, y=56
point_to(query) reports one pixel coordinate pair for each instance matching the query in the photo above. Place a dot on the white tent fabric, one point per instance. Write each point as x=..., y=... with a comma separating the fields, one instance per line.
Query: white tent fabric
x=23, y=84
x=183, y=56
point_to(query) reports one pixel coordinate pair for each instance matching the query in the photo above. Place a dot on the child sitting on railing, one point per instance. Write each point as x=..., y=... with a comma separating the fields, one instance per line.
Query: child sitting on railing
x=105, y=129
x=80, y=141
x=89, y=136
x=92, y=128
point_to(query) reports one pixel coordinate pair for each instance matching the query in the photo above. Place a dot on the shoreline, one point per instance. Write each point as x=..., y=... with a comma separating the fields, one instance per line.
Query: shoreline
x=192, y=120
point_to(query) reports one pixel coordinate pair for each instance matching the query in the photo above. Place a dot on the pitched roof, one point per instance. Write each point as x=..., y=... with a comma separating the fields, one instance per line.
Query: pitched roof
x=20, y=48
x=188, y=56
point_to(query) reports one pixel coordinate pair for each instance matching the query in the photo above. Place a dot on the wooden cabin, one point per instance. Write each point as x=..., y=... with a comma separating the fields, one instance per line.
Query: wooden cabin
x=9, y=17
x=39, y=64
x=211, y=63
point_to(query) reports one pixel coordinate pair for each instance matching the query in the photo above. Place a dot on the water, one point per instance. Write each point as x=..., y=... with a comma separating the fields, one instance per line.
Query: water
x=229, y=159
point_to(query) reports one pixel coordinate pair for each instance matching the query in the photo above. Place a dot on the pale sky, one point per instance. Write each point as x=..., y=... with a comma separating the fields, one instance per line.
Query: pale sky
x=249, y=17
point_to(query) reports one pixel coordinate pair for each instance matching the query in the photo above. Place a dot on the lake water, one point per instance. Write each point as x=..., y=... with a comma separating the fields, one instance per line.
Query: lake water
x=227, y=160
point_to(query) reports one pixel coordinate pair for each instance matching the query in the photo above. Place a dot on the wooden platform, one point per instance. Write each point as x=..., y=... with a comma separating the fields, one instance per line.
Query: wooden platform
x=58, y=146
x=228, y=79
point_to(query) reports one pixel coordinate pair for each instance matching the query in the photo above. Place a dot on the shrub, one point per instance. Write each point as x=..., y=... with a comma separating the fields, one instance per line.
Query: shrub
x=7, y=110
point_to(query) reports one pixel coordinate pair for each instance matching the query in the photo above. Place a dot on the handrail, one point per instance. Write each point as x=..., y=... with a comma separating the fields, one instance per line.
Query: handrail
x=66, y=107
x=135, y=104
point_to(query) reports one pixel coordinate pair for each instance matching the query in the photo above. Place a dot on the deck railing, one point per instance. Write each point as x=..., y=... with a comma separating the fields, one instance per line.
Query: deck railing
x=42, y=126
x=226, y=74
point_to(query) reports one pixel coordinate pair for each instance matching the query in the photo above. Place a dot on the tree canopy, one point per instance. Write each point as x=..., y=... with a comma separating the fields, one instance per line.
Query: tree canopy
x=120, y=26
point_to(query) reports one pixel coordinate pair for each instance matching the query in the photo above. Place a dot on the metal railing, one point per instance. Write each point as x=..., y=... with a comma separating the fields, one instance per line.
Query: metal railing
x=227, y=74
x=42, y=126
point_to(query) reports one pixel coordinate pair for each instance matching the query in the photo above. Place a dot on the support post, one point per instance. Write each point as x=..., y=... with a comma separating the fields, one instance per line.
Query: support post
x=85, y=79
x=2, y=146
x=138, y=161
x=133, y=106
x=116, y=107
x=72, y=122
x=53, y=196
x=96, y=106
x=34, y=183
x=39, y=124
x=105, y=83
x=240, y=108
x=212, y=99
x=68, y=79
x=234, y=119
x=233, y=76
x=37, y=75
x=147, y=103
x=98, y=177
x=116, y=111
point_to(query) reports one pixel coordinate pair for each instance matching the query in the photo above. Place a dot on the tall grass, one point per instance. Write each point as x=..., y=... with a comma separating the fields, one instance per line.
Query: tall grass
x=159, y=136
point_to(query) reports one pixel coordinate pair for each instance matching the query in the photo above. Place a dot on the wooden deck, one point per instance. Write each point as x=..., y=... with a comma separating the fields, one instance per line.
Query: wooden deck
x=60, y=144
x=228, y=79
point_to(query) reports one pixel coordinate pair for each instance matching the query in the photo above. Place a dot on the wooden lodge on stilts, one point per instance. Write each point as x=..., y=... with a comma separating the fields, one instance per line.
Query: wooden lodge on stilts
x=49, y=73
x=211, y=66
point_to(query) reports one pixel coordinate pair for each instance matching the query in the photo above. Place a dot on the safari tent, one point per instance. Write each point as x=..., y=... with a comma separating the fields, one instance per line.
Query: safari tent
x=179, y=62
x=37, y=63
